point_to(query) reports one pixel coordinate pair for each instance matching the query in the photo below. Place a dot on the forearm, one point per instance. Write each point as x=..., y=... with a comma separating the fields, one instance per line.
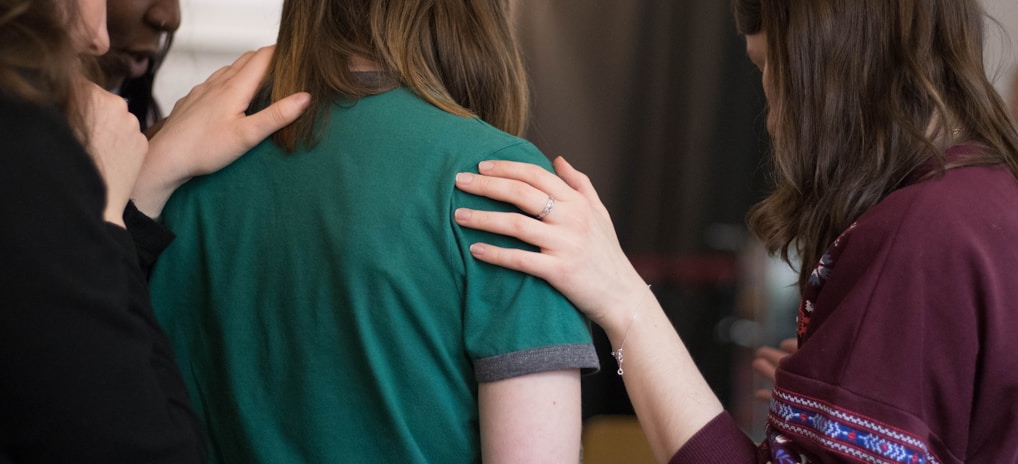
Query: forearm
x=670, y=396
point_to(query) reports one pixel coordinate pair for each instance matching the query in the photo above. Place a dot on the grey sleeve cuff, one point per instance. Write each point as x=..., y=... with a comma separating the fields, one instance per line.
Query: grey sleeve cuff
x=543, y=359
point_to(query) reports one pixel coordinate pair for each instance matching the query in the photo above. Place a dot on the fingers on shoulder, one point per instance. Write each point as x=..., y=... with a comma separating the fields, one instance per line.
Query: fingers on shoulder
x=512, y=258
x=276, y=116
x=517, y=170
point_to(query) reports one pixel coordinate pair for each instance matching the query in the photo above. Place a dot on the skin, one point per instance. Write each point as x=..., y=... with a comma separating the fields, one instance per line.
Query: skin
x=542, y=411
x=95, y=39
x=118, y=147
x=756, y=50
x=138, y=30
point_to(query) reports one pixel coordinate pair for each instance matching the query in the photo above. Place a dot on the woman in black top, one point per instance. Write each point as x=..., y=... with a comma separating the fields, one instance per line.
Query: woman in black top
x=86, y=374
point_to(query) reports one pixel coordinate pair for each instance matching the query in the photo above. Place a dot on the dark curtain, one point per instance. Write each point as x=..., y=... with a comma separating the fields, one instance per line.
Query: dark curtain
x=656, y=101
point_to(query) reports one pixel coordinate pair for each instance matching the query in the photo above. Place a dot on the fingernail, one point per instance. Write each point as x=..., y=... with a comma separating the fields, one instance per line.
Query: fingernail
x=462, y=214
x=303, y=99
x=485, y=165
x=477, y=249
x=464, y=178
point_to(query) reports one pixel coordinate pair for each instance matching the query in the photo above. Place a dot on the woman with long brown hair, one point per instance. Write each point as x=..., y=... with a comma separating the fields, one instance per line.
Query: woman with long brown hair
x=330, y=314
x=896, y=180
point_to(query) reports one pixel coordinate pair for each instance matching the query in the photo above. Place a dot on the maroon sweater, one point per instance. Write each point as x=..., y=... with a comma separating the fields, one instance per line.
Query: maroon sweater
x=908, y=345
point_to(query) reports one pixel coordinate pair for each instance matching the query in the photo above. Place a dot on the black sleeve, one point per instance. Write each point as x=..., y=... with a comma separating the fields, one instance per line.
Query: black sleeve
x=150, y=237
x=86, y=374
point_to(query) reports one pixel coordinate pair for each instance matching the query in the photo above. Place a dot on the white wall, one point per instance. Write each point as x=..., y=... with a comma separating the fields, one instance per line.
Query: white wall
x=1002, y=45
x=212, y=34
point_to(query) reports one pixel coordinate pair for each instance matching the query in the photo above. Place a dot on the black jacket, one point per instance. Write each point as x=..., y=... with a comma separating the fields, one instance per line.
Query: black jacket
x=86, y=374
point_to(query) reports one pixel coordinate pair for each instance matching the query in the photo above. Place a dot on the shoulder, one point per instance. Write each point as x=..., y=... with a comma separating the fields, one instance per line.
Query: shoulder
x=936, y=233
x=966, y=205
x=42, y=150
x=940, y=230
x=25, y=123
x=952, y=236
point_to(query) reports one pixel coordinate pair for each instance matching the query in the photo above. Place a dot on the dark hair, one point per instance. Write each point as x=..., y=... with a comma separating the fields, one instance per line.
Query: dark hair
x=459, y=55
x=38, y=59
x=864, y=94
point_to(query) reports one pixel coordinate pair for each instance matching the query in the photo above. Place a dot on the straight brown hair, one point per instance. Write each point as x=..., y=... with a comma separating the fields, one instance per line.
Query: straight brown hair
x=863, y=95
x=38, y=60
x=459, y=55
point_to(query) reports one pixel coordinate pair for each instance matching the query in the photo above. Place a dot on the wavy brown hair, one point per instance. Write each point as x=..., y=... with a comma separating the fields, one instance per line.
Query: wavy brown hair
x=38, y=59
x=459, y=55
x=864, y=94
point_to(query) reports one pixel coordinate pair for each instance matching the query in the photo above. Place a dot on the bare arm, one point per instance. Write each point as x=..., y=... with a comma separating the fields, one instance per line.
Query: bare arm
x=208, y=129
x=580, y=256
x=534, y=418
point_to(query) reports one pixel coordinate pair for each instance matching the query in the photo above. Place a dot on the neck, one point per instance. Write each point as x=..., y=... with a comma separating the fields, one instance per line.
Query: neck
x=359, y=63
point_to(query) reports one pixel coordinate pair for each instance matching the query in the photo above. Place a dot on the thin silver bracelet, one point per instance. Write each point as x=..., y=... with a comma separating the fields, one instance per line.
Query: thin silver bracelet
x=617, y=354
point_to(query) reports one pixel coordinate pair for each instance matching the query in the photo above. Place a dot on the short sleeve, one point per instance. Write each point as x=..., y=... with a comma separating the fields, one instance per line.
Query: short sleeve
x=516, y=324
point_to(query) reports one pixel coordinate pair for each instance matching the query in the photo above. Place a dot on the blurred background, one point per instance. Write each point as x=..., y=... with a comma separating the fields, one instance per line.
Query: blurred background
x=656, y=101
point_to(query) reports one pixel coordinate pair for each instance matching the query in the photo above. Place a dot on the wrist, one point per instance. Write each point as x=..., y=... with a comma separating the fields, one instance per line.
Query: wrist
x=114, y=215
x=159, y=178
x=618, y=320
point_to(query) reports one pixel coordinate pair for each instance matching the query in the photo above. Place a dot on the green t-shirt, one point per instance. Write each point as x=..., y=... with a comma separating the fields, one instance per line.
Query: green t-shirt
x=324, y=306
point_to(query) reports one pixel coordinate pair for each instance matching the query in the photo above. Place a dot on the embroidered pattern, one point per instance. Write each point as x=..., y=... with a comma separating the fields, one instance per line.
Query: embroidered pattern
x=822, y=270
x=782, y=451
x=845, y=432
x=816, y=282
x=803, y=317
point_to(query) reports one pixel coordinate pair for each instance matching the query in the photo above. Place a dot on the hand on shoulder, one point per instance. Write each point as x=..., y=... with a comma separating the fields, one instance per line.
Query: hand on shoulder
x=580, y=252
x=208, y=129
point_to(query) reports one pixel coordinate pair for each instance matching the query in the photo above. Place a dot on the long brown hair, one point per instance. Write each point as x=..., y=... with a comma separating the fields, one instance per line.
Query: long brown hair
x=38, y=60
x=863, y=94
x=459, y=55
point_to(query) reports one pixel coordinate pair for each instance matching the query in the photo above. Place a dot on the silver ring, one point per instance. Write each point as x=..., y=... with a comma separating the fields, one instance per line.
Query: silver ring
x=547, y=209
